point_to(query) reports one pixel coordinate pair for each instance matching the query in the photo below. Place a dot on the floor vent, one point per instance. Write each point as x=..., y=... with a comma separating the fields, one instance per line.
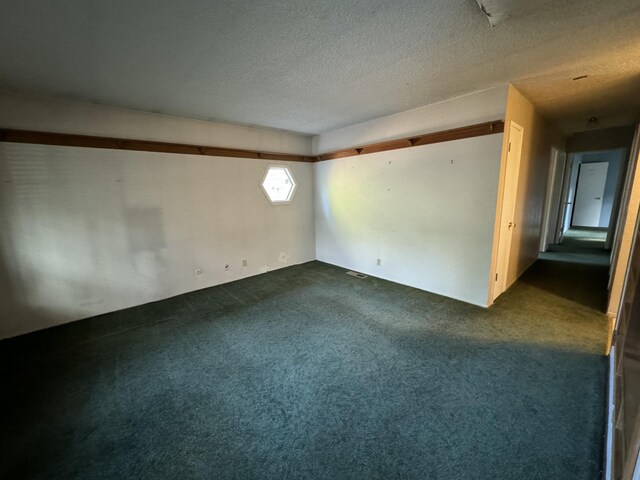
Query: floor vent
x=356, y=274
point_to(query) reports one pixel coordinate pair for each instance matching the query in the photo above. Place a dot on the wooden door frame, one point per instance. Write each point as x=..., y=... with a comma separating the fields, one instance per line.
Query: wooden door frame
x=622, y=461
x=622, y=307
x=620, y=201
x=502, y=188
x=629, y=184
x=564, y=197
x=549, y=211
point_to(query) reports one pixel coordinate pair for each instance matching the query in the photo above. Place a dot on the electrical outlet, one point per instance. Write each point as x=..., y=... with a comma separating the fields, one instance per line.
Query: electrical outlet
x=198, y=271
x=244, y=262
x=379, y=262
x=226, y=267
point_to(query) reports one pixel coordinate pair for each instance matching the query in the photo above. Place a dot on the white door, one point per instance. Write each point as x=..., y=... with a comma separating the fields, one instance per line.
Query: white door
x=507, y=221
x=589, y=192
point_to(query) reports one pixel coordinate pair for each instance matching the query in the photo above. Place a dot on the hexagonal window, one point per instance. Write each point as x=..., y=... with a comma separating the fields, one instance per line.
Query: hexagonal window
x=279, y=185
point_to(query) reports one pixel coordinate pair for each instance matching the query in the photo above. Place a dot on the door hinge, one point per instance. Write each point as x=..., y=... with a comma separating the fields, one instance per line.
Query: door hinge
x=509, y=146
x=496, y=277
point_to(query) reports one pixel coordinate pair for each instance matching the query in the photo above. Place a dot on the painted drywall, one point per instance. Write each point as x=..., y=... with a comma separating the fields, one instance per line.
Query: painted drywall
x=88, y=231
x=601, y=139
x=425, y=212
x=478, y=107
x=50, y=114
x=539, y=138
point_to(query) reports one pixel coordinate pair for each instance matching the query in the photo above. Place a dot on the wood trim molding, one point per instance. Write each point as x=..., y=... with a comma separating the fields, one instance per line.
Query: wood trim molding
x=487, y=128
x=89, y=141
x=71, y=140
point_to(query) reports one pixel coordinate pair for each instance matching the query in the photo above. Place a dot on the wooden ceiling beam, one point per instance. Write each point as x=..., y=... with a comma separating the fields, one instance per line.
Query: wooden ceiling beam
x=89, y=141
x=487, y=128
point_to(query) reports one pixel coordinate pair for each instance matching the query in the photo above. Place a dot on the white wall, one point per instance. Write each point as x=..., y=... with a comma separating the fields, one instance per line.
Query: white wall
x=478, y=107
x=87, y=231
x=62, y=116
x=427, y=212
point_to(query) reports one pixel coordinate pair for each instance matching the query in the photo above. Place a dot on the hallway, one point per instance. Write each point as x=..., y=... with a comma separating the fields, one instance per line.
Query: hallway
x=576, y=270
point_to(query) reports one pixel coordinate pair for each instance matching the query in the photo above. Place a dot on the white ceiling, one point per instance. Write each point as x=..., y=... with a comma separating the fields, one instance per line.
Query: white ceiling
x=314, y=66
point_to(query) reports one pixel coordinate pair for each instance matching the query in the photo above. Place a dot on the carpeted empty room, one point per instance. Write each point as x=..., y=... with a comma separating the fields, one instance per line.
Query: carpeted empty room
x=310, y=373
x=370, y=240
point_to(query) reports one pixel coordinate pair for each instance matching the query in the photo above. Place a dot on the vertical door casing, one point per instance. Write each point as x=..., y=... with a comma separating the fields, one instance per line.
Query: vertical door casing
x=553, y=199
x=562, y=214
x=507, y=221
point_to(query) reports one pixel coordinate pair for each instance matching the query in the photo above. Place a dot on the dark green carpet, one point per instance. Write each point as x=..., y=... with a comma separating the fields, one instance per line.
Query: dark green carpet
x=309, y=373
x=580, y=245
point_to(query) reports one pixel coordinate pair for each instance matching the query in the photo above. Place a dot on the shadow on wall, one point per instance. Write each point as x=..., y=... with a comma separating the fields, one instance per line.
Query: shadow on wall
x=13, y=286
x=62, y=236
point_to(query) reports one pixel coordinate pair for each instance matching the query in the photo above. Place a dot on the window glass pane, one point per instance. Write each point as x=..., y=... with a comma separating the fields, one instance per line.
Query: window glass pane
x=278, y=184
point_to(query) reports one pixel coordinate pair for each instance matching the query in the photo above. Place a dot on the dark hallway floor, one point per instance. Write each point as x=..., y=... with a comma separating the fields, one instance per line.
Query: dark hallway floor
x=307, y=372
x=577, y=269
x=580, y=245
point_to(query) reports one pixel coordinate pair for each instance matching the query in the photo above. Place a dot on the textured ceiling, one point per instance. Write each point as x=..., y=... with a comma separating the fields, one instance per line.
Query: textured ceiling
x=498, y=11
x=315, y=66
x=610, y=93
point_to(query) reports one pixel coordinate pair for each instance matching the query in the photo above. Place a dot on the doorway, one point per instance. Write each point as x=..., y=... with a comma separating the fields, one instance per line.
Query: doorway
x=590, y=198
x=587, y=209
x=581, y=205
x=551, y=214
